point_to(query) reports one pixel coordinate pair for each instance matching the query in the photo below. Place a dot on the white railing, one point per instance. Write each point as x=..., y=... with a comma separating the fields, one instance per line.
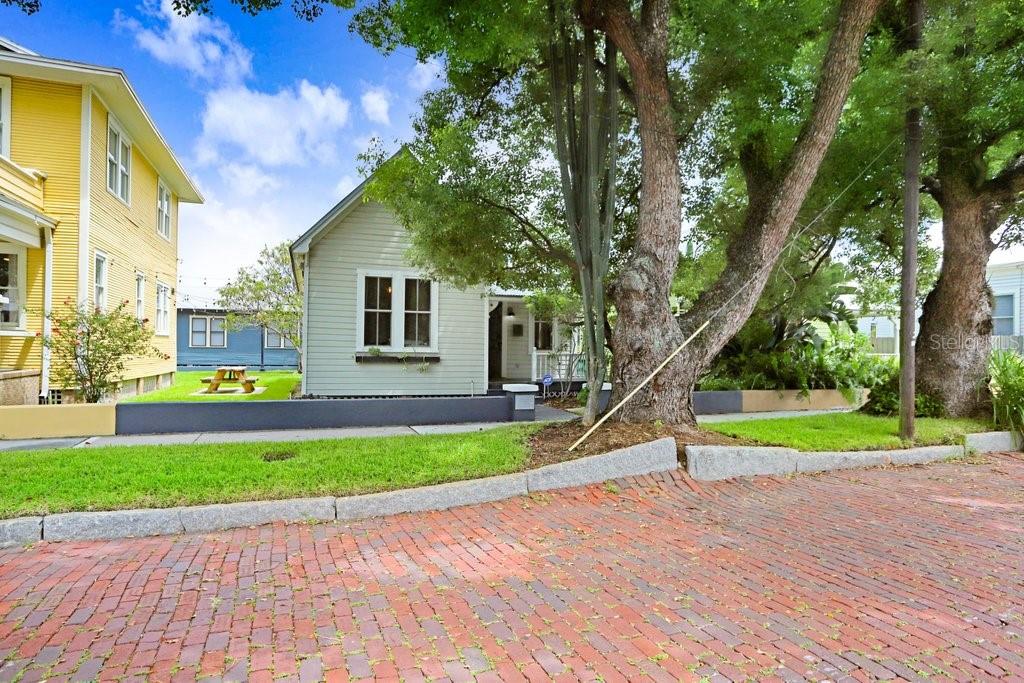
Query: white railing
x=563, y=366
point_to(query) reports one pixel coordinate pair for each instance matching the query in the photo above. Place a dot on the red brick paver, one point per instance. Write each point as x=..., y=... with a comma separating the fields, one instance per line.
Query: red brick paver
x=878, y=574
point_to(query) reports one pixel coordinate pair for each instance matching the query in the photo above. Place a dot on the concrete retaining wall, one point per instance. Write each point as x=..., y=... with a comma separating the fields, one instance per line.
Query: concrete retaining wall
x=656, y=456
x=711, y=463
x=156, y=418
x=54, y=421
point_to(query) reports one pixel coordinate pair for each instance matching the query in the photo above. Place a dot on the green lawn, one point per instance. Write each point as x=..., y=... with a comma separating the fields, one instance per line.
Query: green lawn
x=279, y=384
x=122, y=477
x=844, y=431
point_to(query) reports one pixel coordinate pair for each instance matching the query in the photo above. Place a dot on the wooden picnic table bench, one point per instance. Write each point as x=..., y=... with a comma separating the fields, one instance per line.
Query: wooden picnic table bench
x=230, y=374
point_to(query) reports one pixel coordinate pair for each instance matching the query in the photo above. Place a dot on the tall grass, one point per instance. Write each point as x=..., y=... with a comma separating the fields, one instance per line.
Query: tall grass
x=1007, y=371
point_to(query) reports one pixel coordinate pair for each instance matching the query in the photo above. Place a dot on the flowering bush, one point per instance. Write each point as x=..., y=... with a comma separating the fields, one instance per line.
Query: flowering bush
x=90, y=348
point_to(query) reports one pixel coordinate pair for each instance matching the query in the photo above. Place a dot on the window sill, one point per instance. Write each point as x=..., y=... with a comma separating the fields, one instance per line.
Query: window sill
x=397, y=357
x=115, y=195
x=16, y=333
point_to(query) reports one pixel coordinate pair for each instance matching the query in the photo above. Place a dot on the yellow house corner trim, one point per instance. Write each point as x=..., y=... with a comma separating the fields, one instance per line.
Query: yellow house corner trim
x=84, y=196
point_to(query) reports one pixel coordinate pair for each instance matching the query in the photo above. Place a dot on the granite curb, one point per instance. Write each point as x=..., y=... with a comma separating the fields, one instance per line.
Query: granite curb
x=646, y=458
x=713, y=463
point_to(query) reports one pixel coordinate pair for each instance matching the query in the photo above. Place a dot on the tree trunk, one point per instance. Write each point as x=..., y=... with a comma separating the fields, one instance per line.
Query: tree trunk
x=645, y=332
x=956, y=322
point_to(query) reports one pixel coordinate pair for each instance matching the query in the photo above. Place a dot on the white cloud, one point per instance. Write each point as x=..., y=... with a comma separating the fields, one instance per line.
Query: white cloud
x=376, y=103
x=205, y=47
x=246, y=179
x=344, y=186
x=423, y=75
x=223, y=228
x=290, y=127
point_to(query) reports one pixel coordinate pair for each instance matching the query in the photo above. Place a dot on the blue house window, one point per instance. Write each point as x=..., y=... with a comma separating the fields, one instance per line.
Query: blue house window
x=207, y=331
x=273, y=340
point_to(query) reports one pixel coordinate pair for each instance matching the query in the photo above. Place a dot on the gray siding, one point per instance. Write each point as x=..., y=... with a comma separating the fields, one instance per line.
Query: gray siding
x=1008, y=280
x=369, y=237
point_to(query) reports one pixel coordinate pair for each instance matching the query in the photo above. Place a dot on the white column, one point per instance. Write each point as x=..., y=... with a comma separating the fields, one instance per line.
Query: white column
x=44, y=379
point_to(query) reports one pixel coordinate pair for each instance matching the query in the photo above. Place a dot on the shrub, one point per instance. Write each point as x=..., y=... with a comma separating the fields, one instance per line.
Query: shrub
x=839, y=360
x=1007, y=372
x=583, y=395
x=91, y=348
x=885, y=397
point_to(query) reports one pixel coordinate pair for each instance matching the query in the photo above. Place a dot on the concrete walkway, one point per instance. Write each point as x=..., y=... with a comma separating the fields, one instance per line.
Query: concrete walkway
x=544, y=414
x=732, y=417
x=272, y=435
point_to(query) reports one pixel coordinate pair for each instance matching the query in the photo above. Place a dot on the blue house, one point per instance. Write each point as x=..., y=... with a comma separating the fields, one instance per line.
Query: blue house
x=204, y=342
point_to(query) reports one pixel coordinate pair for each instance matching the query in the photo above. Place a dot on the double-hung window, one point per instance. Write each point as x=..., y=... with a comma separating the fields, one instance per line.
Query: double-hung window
x=272, y=339
x=417, y=313
x=208, y=331
x=5, y=116
x=119, y=162
x=163, y=309
x=397, y=312
x=1004, y=318
x=140, y=296
x=99, y=285
x=12, y=287
x=163, y=211
x=377, y=291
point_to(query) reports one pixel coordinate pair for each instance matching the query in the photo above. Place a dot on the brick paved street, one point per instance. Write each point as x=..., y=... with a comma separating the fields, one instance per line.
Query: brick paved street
x=898, y=573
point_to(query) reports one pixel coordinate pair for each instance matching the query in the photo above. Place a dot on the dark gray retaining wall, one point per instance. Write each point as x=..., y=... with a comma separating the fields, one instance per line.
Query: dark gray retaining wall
x=157, y=418
x=704, y=402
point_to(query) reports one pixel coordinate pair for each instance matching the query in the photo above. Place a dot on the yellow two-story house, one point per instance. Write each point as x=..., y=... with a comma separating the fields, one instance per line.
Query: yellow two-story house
x=89, y=194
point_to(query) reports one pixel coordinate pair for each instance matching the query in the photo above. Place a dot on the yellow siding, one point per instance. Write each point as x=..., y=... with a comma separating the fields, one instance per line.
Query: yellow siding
x=22, y=186
x=128, y=236
x=45, y=135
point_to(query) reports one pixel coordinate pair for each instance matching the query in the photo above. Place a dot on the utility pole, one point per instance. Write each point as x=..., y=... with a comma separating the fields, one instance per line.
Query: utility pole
x=911, y=213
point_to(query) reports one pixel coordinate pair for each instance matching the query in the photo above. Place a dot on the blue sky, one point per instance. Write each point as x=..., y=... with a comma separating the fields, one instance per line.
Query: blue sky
x=267, y=113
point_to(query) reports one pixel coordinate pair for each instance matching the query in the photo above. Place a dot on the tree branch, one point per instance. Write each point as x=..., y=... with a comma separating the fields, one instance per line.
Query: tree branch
x=1009, y=182
x=532, y=233
x=932, y=186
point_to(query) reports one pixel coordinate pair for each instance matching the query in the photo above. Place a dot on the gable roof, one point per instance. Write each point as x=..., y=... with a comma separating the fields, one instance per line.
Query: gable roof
x=300, y=247
x=8, y=45
x=113, y=88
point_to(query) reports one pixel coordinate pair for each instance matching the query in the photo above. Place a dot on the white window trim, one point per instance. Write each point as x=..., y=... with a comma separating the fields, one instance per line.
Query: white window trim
x=96, y=258
x=22, y=254
x=209, y=329
x=112, y=124
x=266, y=345
x=398, y=277
x=166, y=332
x=1016, y=307
x=140, y=296
x=5, y=117
x=161, y=186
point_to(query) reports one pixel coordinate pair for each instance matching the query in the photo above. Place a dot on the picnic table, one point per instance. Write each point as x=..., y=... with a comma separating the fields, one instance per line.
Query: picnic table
x=230, y=374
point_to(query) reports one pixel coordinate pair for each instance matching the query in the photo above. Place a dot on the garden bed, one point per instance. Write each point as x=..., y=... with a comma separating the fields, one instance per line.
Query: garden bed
x=845, y=431
x=551, y=443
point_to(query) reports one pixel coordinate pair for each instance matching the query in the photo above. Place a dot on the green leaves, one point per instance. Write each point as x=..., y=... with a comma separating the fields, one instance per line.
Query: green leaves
x=265, y=295
x=90, y=348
